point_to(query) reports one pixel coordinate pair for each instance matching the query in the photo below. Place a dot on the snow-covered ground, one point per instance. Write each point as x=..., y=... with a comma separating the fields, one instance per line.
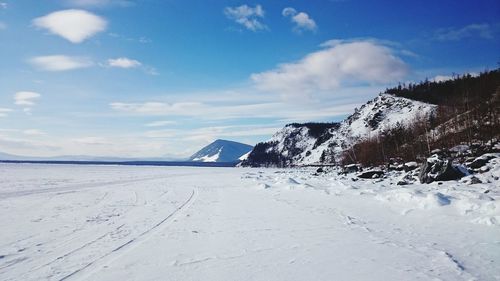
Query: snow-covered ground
x=63, y=222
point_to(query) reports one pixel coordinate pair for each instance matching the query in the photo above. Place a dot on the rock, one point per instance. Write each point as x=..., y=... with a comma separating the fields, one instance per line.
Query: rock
x=475, y=180
x=437, y=169
x=371, y=174
x=436, y=151
x=484, y=169
x=352, y=168
x=320, y=170
x=481, y=161
x=470, y=180
x=406, y=179
x=460, y=149
x=410, y=166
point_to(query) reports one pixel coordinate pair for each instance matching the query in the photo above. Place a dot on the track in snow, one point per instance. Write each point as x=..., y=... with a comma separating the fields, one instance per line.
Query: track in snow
x=143, y=236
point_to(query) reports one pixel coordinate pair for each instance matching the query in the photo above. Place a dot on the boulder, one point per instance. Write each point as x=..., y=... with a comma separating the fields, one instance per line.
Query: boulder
x=373, y=174
x=352, y=168
x=438, y=169
x=474, y=180
x=481, y=161
x=410, y=166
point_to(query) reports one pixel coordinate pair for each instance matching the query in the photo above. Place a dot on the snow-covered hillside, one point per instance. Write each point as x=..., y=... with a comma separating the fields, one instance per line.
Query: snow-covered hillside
x=296, y=145
x=222, y=151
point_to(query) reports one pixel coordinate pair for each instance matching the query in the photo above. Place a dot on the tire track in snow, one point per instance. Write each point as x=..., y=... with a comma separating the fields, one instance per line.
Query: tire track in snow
x=134, y=240
x=77, y=249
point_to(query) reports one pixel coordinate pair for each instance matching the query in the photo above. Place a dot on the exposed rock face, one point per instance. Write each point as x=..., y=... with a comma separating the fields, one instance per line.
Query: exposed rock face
x=294, y=144
x=324, y=143
x=438, y=169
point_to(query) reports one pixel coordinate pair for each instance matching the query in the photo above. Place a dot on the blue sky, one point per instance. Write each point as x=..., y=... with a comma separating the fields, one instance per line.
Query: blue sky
x=158, y=78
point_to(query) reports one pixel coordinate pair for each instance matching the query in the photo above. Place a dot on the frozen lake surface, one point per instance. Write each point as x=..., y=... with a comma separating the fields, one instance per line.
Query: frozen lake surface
x=70, y=222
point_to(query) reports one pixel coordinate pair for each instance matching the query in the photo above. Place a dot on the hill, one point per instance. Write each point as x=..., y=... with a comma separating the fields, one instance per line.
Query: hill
x=221, y=151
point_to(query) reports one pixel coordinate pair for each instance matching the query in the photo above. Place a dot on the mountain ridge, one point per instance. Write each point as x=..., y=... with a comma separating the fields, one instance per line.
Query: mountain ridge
x=324, y=143
x=405, y=123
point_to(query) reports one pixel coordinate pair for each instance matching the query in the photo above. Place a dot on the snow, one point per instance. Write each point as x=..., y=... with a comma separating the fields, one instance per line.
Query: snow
x=209, y=158
x=69, y=222
x=244, y=156
x=386, y=110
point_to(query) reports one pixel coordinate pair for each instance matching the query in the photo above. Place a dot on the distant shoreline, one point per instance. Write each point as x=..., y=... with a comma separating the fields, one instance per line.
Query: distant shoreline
x=127, y=163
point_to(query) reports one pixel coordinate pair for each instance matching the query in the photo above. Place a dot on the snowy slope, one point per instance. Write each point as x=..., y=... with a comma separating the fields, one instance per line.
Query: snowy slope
x=69, y=222
x=221, y=151
x=298, y=146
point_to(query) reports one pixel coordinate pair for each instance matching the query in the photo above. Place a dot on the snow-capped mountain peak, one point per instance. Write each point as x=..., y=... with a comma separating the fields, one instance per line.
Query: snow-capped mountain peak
x=221, y=151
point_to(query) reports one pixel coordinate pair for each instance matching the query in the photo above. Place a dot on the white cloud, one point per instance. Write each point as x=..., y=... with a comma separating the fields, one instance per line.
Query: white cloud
x=33, y=132
x=74, y=25
x=123, y=63
x=213, y=132
x=484, y=31
x=4, y=111
x=3, y=5
x=92, y=141
x=339, y=63
x=3, y=26
x=442, y=78
x=247, y=16
x=26, y=98
x=301, y=20
x=100, y=3
x=159, y=108
x=289, y=11
x=60, y=62
x=277, y=110
x=161, y=123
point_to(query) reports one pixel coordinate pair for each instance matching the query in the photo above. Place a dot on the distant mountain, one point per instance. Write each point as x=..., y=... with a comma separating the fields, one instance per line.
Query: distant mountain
x=6, y=156
x=222, y=151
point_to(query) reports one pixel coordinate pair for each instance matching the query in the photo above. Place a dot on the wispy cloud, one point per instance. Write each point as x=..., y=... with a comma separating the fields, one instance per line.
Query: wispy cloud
x=3, y=26
x=27, y=100
x=210, y=133
x=161, y=123
x=33, y=132
x=60, y=62
x=339, y=63
x=3, y=5
x=302, y=21
x=73, y=25
x=442, y=78
x=484, y=30
x=247, y=16
x=92, y=140
x=214, y=112
x=160, y=108
x=142, y=39
x=4, y=111
x=123, y=63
